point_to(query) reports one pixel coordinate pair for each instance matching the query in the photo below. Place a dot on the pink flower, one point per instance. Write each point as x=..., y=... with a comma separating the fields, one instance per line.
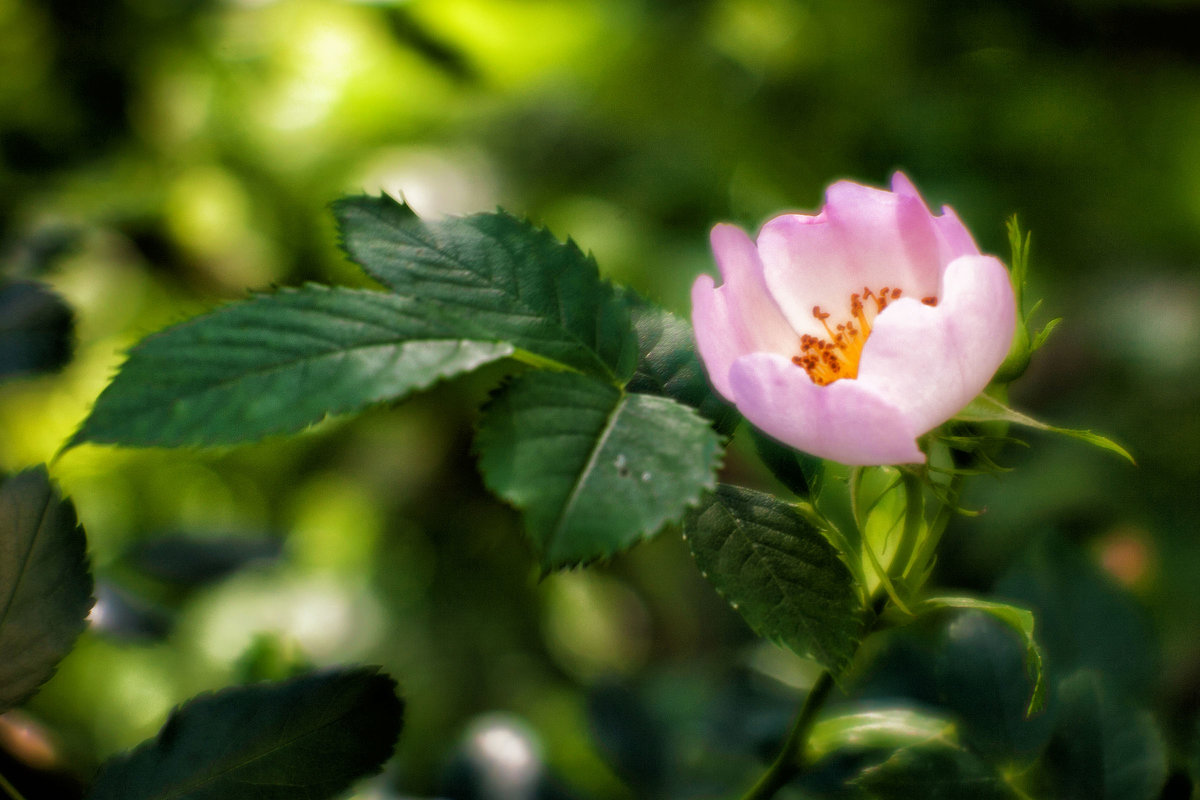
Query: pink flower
x=851, y=333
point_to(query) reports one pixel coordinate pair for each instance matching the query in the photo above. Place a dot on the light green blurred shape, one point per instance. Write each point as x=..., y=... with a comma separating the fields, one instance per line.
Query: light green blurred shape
x=522, y=44
x=330, y=619
x=594, y=624
x=210, y=213
x=765, y=36
x=336, y=526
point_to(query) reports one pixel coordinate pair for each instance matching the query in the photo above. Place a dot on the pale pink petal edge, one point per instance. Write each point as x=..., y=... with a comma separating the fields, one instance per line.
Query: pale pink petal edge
x=844, y=421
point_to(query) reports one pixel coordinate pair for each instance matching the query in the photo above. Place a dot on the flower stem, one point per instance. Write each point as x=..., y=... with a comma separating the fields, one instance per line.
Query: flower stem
x=10, y=789
x=914, y=515
x=790, y=760
x=937, y=527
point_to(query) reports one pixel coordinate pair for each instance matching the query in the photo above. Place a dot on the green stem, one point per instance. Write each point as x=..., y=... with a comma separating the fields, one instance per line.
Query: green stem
x=914, y=515
x=10, y=789
x=937, y=527
x=790, y=760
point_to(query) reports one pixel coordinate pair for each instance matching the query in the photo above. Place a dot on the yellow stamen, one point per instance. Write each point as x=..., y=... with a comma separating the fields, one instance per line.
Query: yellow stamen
x=828, y=360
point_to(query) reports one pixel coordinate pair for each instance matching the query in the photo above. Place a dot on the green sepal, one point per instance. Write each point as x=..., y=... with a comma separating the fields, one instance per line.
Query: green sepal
x=1026, y=340
x=985, y=408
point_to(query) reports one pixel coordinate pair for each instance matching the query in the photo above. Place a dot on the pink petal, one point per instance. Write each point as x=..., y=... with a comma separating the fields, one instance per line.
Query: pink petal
x=740, y=316
x=844, y=421
x=954, y=239
x=863, y=237
x=931, y=362
x=903, y=186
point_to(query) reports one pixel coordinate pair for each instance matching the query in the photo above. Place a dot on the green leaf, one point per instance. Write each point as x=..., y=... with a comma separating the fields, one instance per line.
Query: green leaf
x=668, y=364
x=310, y=737
x=933, y=771
x=594, y=469
x=988, y=409
x=1020, y=620
x=45, y=586
x=881, y=729
x=499, y=278
x=1104, y=748
x=276, y=363
x=1085, y=619
x=779, y=572
x=982, y=677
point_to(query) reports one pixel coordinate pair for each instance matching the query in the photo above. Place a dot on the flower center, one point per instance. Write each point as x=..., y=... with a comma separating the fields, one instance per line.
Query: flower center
x=828, y=360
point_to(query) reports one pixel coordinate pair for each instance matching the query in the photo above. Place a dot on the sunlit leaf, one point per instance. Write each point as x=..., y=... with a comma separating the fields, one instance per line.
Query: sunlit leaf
x=1105, y=748
x=276, y=363
x=779, y=572
x=880, y=729
x=45, y=585
x=593, y=468
x=310, y=737
x=1020, y=620
x=498, y=278
x=988, y=409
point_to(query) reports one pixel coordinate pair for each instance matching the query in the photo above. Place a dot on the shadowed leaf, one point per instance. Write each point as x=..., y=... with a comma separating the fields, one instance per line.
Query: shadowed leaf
x=775, y=568
x=310, y=737
x=45, y=586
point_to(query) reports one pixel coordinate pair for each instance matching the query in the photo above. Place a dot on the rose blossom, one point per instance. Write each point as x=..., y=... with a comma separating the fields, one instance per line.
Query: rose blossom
x=850, y=333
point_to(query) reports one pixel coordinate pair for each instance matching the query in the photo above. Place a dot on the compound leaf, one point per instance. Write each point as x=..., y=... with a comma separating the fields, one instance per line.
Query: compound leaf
x=498, y=277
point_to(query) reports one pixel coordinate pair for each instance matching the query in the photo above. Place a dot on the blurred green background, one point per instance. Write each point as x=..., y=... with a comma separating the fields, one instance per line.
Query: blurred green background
x=157, y=158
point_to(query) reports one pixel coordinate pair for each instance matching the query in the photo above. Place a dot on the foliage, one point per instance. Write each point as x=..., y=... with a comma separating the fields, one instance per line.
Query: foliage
x=157, y=160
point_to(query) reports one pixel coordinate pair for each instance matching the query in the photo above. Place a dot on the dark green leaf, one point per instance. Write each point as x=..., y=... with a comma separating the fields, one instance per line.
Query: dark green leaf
x=779, y=571
x=594, y=469
x=1085, y=620
x=799, y=472
x=982, y=677
x=668, y=364
x=309, y=737
x=1104, y=748
x=1020, y=620
x=36, y=329
x=933, y=771
x=45, y=586
x=499, y=278
x=276, y=363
